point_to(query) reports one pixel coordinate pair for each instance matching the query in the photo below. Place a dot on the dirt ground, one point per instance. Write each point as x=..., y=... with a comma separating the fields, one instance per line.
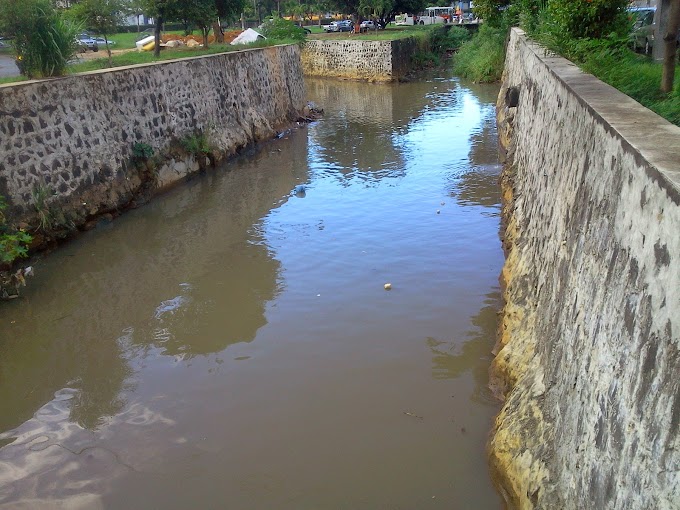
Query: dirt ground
x=91, y=55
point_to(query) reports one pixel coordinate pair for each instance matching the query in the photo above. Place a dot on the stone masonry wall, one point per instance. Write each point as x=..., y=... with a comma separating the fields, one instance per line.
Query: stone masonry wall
x=589, y=358
x=357, y=59
x=74, y=136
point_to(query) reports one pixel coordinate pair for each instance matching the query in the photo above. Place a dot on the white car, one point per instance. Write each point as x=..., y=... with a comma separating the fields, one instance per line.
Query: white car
x=85, y=42
x=369, y=25
x=339, y=26
x=102, y=42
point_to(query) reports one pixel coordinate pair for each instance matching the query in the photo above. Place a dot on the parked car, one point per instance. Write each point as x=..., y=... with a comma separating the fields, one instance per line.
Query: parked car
x=642, y=35
x=369, y=25
x=339, y=26
x=102, y=42
x=85, y=42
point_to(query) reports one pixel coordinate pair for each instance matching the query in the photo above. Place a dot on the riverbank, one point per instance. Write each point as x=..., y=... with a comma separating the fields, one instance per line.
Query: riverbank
x=69, y=158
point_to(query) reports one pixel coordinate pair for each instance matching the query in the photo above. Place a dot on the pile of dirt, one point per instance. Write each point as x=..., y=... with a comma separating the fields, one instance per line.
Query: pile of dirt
x=229, y=36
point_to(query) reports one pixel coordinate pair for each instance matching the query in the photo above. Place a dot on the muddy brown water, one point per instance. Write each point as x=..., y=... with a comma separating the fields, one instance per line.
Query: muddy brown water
x=231, y=344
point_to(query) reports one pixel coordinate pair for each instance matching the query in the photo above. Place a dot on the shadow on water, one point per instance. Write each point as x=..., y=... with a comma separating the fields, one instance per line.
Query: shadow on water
x=99, y=315
x=452, y=358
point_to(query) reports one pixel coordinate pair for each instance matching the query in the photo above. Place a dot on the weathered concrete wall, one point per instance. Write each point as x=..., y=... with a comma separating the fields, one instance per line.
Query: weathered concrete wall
x=74, y=136
x=358, y=60
x=589, y=339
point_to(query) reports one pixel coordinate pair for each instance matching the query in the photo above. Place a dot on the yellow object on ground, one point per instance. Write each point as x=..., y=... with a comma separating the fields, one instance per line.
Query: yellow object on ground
x=149, y=46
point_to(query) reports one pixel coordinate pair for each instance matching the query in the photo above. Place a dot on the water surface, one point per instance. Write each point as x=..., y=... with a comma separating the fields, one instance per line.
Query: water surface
x=231, y=344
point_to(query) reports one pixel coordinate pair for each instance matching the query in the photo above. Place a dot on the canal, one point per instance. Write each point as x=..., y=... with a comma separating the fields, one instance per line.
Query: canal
x=232, y=345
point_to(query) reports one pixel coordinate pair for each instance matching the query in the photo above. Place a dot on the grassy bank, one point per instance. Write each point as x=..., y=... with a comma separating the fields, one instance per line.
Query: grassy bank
x=482, y=60
x=147, y=57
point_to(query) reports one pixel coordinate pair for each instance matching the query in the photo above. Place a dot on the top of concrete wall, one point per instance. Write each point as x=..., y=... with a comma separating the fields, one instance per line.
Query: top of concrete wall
x=653, y=138
x=137, y=66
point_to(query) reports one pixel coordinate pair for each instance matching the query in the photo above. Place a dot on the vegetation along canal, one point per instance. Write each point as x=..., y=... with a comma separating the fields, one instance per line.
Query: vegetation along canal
x=232, y=345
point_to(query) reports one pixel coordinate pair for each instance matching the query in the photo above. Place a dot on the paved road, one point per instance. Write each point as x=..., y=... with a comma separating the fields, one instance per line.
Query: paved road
x=7, y=66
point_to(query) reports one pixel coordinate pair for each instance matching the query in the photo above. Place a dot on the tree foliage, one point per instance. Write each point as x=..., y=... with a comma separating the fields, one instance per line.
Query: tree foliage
x=280, y=29
x=229, y=10
x=102, y=17
x=201, y=13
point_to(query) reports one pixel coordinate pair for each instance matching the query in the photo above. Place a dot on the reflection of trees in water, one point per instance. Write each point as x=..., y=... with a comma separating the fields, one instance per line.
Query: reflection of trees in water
x=450, y=359
x=478, y=184
x=357, y=138
x=68, y=331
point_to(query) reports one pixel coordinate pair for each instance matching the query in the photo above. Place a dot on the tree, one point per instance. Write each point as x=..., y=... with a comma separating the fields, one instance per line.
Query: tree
x=670, y=42
x=385, y=10
x=43, y=39
x=229, y=10
x=201, y=13
x=161, y=11
x=102, y=17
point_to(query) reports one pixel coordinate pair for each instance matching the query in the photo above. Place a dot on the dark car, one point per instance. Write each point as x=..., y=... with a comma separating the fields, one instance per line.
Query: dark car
x=642, y=35
x=340, y=26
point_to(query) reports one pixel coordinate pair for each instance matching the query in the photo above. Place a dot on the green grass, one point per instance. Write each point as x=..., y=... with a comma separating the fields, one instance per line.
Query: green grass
x=12, y=79
x=315, y=29
x=481, y=59
x=147, y=57
x=638, y=77
x=389, y=34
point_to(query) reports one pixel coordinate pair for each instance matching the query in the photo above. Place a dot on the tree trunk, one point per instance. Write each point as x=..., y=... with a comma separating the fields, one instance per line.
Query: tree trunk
x=206, y=31
x=157, y=36
x=217, y=30
x=108, y=50
x=670, y=46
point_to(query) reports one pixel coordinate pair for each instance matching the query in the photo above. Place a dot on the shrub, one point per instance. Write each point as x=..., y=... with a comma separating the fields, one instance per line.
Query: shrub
x=13, y=243
x=142, y=152
x=435, y=41
x=280, y=29
x=44, y=41
x=593, y=19
x=482, y=58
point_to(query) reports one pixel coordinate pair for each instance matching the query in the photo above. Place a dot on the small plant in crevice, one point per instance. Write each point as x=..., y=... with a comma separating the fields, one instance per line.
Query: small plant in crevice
x=13, y=243
x=142, y=152
x=41, y=193
x=196, y=144
x=51, y=218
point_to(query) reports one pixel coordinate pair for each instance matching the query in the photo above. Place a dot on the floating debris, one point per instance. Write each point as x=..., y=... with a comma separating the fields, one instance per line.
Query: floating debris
x=388, y=286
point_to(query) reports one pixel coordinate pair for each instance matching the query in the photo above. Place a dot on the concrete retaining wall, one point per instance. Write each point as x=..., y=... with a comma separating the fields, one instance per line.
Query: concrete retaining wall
x=588, y=347
x=72, y=138
x=358, y=60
